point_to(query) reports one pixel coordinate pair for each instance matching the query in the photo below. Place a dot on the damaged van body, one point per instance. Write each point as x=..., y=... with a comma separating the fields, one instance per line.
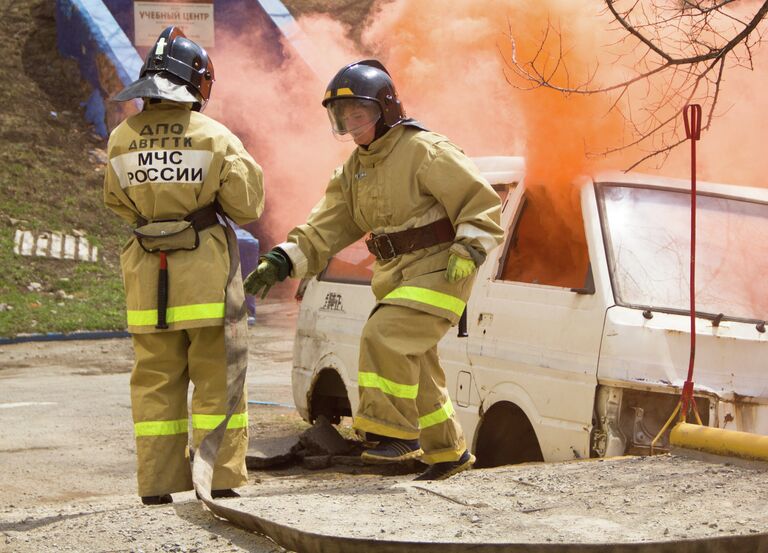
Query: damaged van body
x=578, y=326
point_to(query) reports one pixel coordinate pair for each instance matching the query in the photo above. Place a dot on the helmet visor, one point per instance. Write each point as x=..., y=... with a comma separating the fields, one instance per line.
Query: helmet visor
x=352, y=117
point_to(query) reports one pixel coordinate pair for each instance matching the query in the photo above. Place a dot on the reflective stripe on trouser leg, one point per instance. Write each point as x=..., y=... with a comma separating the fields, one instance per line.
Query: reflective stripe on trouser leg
x=394, y=341
x=441, y=436
x=388, y=375
x=159, y=384
x=208, y=372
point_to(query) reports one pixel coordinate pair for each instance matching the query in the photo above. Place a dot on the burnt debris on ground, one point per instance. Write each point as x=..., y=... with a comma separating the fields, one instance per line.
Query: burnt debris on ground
x=319, y=447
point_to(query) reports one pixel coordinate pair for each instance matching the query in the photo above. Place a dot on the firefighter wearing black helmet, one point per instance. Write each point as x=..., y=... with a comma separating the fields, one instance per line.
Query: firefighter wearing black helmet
x=174, y=174
x=432, y=219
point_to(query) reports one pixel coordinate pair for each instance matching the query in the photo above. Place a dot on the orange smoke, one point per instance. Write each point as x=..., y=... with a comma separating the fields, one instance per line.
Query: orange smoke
x=274, y=107
x=448, y=59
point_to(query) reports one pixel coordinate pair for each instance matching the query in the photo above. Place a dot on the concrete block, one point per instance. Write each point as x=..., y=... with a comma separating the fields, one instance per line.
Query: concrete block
x=56, y=245
x=70, y=244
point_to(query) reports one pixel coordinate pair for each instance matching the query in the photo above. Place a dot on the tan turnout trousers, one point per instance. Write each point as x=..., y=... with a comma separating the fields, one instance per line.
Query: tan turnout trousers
x=402, y=385
x=165, y=364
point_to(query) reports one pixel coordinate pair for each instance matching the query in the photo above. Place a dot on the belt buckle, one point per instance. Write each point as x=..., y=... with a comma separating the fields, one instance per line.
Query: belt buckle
x=377, y=239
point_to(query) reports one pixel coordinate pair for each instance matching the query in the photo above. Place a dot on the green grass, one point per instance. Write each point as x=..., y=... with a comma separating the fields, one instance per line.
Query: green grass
x=96, y=289
x=48, y=183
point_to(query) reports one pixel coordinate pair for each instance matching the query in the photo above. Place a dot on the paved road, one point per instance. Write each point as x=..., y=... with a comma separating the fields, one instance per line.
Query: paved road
x=67, y=450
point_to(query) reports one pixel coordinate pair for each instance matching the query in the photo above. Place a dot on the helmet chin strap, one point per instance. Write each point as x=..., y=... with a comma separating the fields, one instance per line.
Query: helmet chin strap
x=381, y=128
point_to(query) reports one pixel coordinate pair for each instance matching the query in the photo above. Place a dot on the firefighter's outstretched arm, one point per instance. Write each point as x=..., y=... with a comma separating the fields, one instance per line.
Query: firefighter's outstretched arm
x=329, y=229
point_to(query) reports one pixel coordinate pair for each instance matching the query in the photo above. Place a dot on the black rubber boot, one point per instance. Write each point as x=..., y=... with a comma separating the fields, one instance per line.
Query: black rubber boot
x=221, y=494
x=392, y=450
x=157, y=499
x=441, y=471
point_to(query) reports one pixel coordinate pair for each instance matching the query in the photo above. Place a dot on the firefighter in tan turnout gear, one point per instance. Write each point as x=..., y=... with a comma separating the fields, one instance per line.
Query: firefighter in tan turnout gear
x=174, y=174
x=432, y=220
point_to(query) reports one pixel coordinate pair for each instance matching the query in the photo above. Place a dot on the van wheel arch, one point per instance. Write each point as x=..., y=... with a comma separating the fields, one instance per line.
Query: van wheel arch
x=328, y=397
x=506, y=437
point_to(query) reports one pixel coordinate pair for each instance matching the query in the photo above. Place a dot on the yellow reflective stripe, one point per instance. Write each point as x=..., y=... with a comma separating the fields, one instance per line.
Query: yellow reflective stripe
x=327, y=94
x=178, y=314
x=209, y=422
x=430, y=297
x=160, y=428
x=436, y=417
x=373, y=380
x=344, y=92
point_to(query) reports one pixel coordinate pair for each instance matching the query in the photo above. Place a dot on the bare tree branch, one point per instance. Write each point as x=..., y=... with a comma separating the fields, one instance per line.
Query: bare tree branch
x=677, y=53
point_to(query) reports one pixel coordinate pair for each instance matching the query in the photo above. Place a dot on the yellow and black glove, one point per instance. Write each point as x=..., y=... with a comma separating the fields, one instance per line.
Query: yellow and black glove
x=460, y=264
x=274, y=266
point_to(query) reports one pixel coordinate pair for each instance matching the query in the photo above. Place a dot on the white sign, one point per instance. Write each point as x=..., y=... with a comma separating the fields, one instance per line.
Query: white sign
x=151, y=18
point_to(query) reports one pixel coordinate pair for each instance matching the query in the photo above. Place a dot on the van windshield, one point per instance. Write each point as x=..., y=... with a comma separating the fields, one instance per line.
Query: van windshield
x=648, y=233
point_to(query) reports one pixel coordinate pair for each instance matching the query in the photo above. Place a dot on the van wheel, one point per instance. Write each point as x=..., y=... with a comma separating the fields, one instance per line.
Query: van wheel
x=506, y=437
x=328, y=398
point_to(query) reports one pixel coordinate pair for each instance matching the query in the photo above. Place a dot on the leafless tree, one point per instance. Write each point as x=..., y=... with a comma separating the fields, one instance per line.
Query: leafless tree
x=673, y=52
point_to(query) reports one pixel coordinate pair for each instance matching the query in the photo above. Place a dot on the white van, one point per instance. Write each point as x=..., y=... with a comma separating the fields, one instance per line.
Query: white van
x=578, y=328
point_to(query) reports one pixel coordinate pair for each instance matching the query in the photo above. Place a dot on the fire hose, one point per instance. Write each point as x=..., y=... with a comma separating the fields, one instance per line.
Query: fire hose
x=300, y=541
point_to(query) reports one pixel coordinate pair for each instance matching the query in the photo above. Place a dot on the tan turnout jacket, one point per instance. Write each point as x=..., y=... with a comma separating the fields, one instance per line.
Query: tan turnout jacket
x=407, y=178
x=165, y=163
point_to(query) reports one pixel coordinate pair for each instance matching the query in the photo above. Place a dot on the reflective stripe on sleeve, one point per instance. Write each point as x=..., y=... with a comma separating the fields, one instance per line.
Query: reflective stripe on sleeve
x=429, y=297
x=436, y=417
x=486, y=240
x=160, y=428
x=177, y=314
x=298, y=259
x=209, y=422
x=373, y=380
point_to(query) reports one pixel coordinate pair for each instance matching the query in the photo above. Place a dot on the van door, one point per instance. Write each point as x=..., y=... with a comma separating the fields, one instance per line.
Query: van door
x=535, y=321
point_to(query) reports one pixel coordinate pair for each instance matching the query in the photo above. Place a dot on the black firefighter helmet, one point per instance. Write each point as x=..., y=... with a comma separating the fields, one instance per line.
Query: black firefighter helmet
x=367, y=80
x=176, y=68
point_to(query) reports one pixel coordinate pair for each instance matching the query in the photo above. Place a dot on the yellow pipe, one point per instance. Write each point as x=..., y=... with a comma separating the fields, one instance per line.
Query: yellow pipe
x=719, y=441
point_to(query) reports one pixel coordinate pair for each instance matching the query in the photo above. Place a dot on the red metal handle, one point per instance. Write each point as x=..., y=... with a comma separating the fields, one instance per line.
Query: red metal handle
x=692, y=120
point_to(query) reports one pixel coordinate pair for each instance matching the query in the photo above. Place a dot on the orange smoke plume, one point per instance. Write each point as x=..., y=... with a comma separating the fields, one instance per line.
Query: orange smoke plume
x=449, y=60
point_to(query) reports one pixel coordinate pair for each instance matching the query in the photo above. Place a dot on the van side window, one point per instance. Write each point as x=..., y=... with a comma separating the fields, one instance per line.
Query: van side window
x=546, y=244
x=352, y=265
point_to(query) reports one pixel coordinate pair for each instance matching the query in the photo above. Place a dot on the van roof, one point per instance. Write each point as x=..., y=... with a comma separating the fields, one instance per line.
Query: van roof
x=501, y=169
